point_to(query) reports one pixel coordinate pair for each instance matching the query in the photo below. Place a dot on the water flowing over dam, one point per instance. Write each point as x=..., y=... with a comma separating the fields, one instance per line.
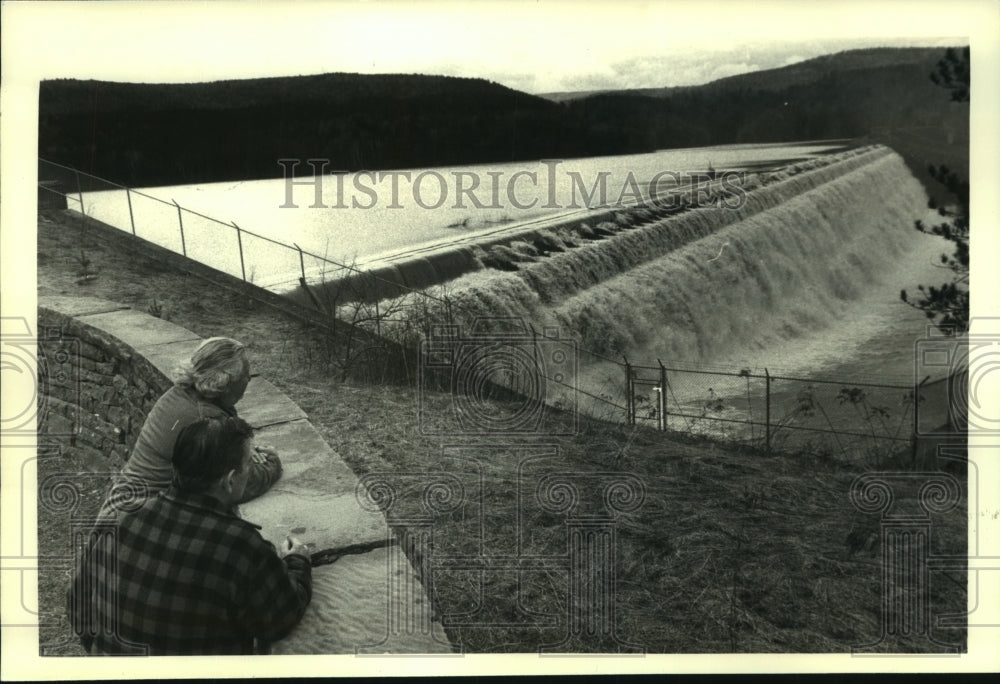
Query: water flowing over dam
x=706, y=282
x=754, y=267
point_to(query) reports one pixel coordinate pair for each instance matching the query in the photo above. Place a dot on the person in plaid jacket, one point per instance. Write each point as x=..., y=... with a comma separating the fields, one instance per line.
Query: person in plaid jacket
x=183, y=574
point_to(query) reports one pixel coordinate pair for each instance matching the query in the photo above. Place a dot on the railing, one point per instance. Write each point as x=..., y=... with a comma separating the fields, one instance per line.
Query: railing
x=775, y=411
x=227, y=247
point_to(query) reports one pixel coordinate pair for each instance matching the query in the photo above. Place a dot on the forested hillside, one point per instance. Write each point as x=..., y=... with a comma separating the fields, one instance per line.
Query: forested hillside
x=146, y=134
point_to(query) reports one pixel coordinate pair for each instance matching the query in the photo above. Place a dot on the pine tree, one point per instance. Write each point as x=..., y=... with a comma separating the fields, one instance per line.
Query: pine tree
x=947, y=305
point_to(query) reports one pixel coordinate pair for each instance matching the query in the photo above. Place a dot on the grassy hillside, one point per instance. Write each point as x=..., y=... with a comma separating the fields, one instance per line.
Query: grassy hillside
x=731, y=550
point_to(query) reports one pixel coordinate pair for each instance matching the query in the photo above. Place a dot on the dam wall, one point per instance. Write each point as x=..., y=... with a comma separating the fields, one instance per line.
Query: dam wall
x=638, y=233
x=708, y=280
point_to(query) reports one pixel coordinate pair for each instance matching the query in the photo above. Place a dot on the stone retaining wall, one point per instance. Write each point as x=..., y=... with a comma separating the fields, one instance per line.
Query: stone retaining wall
x=102, y=393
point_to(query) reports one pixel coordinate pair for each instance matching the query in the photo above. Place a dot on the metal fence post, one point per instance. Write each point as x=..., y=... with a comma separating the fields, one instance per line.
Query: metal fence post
x=302, y=280
x=767, y=409
x=663, y=395
x=79, y=191
x=378, y=313
x=180, y=222
x=239, y=240
x=128, y=196
x=302, y=262
x=629, y=398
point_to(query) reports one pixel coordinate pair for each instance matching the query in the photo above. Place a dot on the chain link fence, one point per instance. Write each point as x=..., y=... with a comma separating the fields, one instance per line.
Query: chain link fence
x=226, y=247
x=773, y=411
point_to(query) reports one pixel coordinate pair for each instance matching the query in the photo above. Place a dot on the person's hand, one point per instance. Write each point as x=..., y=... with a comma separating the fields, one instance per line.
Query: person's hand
x=293, y=545
x=261, y=452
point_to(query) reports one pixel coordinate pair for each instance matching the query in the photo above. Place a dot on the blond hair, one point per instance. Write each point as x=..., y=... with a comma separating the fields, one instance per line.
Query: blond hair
x=216, y=363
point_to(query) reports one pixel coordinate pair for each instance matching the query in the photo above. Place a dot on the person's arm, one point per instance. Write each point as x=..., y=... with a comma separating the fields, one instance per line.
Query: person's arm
x=280, y=590
x=265, y=470
x=262, y=451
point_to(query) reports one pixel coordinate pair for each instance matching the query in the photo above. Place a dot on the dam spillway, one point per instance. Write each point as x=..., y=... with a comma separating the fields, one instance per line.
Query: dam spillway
x=694, y=284
x=692, y=280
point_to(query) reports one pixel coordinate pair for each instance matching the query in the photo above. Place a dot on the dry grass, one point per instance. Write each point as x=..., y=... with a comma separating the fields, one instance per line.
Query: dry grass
x=731, y=550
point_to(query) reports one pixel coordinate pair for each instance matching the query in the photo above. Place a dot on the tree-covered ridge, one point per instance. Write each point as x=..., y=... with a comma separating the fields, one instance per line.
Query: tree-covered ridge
x=65, y=96
x=816, y=68
x=148, y=134
x=166, y=133
x=779, y=78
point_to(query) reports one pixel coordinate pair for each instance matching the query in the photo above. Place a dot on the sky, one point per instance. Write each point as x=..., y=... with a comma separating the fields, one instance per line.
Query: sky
x=536, y=47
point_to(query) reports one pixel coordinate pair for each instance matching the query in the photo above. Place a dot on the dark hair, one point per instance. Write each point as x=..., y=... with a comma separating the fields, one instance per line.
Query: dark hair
x=208, y=449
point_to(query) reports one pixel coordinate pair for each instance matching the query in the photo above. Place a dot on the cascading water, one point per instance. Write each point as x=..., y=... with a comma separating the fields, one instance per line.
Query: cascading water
x=703, y=284
x=761, y=280
x=803, y=277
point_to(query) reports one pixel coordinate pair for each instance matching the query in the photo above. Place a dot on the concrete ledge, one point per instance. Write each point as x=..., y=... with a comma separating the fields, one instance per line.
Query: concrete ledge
x=79, y=306
x=360, y=605
x=301, y=443
x=263, y=404
x=315, y=499
x=165, y=357
x=323, y=520
x=138, y=330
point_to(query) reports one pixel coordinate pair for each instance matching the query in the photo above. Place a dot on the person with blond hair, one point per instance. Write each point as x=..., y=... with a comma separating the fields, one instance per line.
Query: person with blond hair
x=207, y=386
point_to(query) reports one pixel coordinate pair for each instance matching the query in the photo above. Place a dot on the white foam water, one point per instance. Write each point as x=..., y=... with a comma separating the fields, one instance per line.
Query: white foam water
x=805, y=280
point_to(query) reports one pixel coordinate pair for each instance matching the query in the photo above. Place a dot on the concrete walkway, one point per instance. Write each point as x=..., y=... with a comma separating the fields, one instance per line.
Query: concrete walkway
x=368, y=602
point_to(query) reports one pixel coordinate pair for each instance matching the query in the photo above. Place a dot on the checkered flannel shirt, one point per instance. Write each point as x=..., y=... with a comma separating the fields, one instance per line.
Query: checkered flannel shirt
x=184, y=576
